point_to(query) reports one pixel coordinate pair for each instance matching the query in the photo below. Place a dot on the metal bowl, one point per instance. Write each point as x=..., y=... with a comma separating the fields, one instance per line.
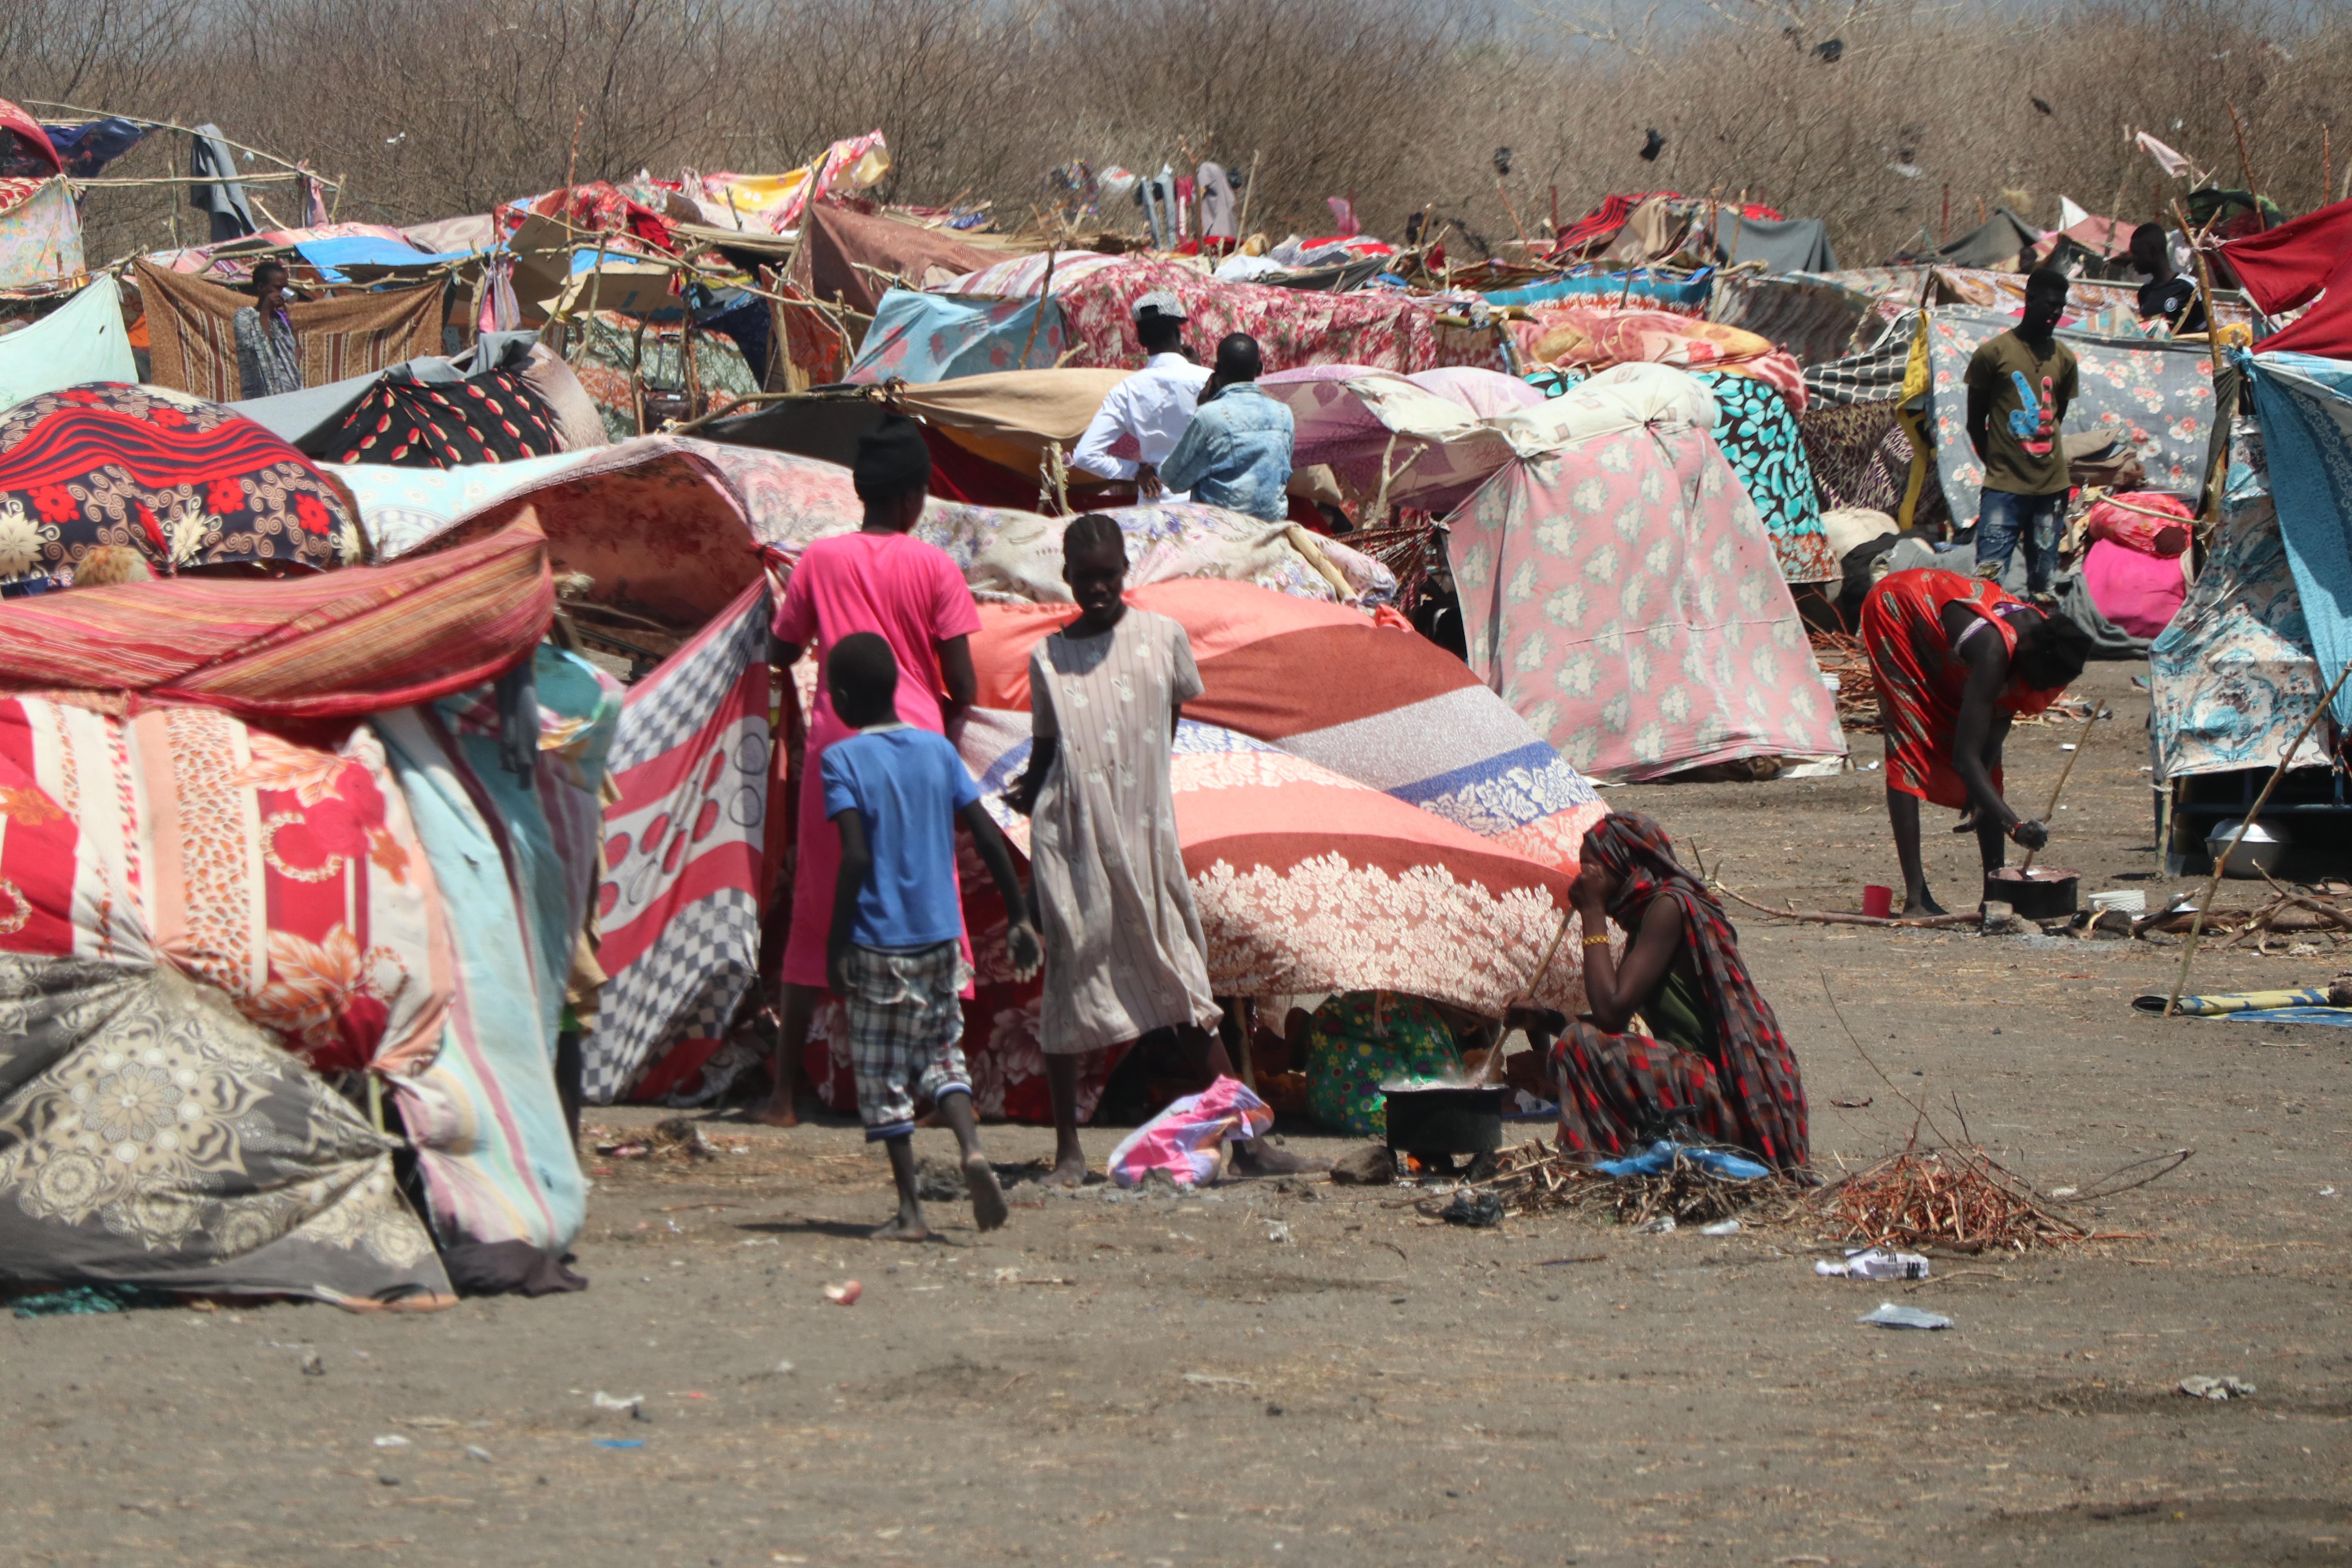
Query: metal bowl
x=2264, y=845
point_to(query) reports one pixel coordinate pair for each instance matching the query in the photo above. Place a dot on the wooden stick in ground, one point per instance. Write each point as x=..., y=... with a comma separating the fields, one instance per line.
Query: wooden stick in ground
x=1045, y=297
x=1819, y=917
x=1240, y=221
x=1494, y=1060
x=2197, y=926
x=2082, y=738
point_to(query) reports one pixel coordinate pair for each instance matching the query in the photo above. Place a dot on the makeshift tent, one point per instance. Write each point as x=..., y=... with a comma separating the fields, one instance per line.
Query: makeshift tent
x=2155, y=396
x=369, y=255
x=1782, y=245
x=1814, y=318
x=639, y=373
x=1413, y=440
x=318, y=896
x=2304, y=405
x=1623, y=595
x=852, y=258
x=924, y=338
x=2233, y=679
x=1997, y=243
x=310, y=419
x=1097, y=295
x=1355, y=811
x=82, y=340
x=192, y=335
x=2287, y=267
x=490, y=416
x=150, y=1136
x=184, y=483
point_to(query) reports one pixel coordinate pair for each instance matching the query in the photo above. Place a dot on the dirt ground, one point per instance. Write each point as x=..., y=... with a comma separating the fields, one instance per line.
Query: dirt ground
x=1159, y=1382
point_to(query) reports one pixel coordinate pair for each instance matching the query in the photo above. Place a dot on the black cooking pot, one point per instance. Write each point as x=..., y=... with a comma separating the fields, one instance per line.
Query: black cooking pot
x=1444, y=1119
x=2044, y=893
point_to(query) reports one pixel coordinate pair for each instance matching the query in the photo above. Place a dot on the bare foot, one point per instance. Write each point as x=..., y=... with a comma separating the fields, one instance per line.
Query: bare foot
x=1261, y=1157
x=988, y=1209
x=777, y=1113
x=1069, y=1170
x=1921, y=908
x=902, y=1228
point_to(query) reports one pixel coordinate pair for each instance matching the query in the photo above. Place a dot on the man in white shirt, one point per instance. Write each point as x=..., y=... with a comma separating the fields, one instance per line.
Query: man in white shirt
x=1137, y=426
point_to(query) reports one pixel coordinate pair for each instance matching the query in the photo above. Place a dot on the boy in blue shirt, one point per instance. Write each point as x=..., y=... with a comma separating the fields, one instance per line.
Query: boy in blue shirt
x=894, y=791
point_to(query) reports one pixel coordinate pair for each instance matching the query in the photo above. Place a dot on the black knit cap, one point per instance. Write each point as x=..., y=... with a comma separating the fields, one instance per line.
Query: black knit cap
x=892, y=460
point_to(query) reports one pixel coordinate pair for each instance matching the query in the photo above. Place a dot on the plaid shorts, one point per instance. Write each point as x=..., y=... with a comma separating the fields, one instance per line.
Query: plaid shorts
x=905, y=1020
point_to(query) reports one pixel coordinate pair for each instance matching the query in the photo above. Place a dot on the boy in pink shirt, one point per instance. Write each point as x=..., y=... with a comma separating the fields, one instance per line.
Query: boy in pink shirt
x=911, y=596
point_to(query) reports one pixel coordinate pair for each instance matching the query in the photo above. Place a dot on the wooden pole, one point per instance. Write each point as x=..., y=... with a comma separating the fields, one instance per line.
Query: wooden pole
x=1524, y=245
x=2327, y=167
x=1241, y=227
x=2197, y=926
x=2246, y=162
x=1943, y=234
x=1045, y=297
x=2081, y=740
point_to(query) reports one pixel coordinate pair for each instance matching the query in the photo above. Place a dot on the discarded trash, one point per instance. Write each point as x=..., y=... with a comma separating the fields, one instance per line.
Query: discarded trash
x=1211, y=1380
x=1662, y=1226
x=2216, y=1388
x=75, y=1301
x=604, y=1401
x=1477, y=1210
x=1887, y=1315
x=392, y=1440
x=2064, y=1192
x=783, y=1368
x=1876, y=1264
x=1720, y=1227
x=1277, y=1230
x=619, y=1442
x=482, y=1454
x=1659, y=1157
x=2328, y=1192
x=844, y=1294
x=311, y=1366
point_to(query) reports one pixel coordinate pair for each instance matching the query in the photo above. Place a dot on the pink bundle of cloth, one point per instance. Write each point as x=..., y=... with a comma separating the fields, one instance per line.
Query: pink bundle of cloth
x=2149, y=521
x=1592, y=337
x=2131, y=568
x=1188, y=1139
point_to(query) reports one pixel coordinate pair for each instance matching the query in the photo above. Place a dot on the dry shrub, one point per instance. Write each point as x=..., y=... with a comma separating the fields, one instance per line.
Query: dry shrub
x=432, y=108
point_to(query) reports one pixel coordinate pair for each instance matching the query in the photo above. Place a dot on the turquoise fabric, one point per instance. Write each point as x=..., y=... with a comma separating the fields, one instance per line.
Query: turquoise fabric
x=513, y=860
x=82, y=340
x=925, y=338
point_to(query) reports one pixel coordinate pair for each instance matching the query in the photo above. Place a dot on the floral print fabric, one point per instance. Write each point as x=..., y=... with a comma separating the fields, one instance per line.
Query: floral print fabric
x=150, y=1135
x=1363, y=1039
x=184, y=483
x=2157, y=397
x=1623, y=596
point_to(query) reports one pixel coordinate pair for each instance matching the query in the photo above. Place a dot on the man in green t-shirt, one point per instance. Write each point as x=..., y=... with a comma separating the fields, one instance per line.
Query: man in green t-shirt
x=2019, y=386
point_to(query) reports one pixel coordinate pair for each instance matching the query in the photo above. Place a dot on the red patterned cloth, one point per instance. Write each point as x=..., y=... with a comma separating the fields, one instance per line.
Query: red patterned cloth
x=333, y=646
x=288, y=876
x=1602, y=222
x=1741, y=1086
x=492, y=417
x=184, y=483
x=2292, y=265
x=1294, y=328
x=1920, y=680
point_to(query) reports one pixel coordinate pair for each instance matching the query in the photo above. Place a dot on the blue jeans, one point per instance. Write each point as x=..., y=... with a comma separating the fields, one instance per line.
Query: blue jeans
x=2003, y=519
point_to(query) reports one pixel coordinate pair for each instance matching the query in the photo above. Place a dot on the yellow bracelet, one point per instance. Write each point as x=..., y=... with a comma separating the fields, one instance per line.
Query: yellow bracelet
x=1600, y=940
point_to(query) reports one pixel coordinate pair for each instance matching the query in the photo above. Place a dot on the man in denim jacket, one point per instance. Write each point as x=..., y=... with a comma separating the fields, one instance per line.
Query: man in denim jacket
x=1236, y=452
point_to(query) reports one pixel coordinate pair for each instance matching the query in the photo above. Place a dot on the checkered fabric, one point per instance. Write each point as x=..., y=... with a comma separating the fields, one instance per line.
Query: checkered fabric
x=684, y=988
x=683, y=846
x=905, y=1020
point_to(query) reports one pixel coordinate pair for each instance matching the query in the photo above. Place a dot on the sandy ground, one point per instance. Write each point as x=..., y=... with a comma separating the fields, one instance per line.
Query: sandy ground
x=1157, y=1381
